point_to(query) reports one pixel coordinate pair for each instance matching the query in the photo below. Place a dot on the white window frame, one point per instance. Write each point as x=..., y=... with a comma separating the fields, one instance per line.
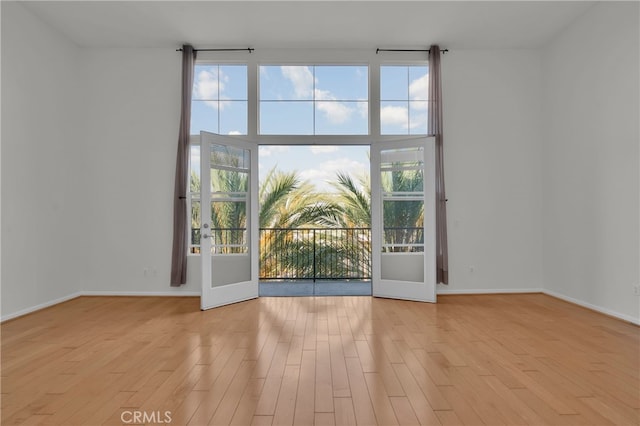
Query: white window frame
x=253, y=61
x=364, y=57
x=192, y=196
x=408, y=100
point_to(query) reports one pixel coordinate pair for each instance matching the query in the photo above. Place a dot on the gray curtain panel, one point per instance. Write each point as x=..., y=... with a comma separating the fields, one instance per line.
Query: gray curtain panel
x=435, y=128
x=180, y=231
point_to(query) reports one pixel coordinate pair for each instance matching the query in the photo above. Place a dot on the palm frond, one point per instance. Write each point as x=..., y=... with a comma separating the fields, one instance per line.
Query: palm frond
x=275, y=191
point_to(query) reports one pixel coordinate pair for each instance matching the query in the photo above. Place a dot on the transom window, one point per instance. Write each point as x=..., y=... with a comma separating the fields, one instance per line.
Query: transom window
x=219, y=99
x=309, y=100
x=404, y=95
x=314, y=100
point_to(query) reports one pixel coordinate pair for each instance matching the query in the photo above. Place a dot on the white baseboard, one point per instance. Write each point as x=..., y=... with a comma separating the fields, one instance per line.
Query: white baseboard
x=445, y=291
x=142, y=293
x=628, y=318
x=97, y=293
x=441, y=291
x=600, y=309
x=40, y=306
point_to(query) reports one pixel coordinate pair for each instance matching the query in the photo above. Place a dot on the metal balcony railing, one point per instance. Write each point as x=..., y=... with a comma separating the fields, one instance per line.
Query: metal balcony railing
x=315, y=254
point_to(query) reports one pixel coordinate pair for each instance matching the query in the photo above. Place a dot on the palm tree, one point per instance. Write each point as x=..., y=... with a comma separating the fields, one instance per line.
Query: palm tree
x=229, y=214
x=403, y=219
x=286, y=201
x=287, y=206
x=352, y=204
x=348, y=249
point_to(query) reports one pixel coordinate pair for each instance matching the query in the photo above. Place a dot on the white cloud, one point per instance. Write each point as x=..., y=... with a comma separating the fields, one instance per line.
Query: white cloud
x=419, y=116
x=195, y=154
x=419, y=88
x=363, y=109
x=206, y=84
x=420, y=105
x=301, y=78
x=336, y=112
x=323, y=149
x=268, y=150
x=234, y=132
x=393, y=115
x=303, y=85
x=326, y=172
x=211, y=84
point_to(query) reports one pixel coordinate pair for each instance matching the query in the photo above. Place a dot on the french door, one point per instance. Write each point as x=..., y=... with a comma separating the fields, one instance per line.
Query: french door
x=229, y=226
x=403, y=219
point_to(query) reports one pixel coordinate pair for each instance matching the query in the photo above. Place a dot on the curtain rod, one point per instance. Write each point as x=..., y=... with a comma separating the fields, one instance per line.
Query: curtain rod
x=408, y=50
x=249, y=49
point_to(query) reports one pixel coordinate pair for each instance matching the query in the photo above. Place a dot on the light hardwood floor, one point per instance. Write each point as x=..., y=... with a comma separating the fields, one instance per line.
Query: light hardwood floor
x=494, y=359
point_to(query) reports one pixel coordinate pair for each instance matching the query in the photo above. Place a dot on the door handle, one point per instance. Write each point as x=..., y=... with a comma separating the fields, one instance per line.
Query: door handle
x=205, y=236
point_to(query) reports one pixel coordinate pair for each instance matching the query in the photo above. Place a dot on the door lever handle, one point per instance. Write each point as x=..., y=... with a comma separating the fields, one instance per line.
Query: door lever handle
x=205, y=236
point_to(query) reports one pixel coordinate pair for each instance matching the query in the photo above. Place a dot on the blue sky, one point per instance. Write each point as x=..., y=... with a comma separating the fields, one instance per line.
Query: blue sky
x=307, y=100
x=319, y=164
x=313, y=99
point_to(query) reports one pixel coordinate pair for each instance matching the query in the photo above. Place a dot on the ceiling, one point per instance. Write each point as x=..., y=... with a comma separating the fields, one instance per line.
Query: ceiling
x=310, y=24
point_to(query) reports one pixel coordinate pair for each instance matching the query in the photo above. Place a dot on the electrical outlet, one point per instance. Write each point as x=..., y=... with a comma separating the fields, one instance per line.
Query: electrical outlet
x=636, y=290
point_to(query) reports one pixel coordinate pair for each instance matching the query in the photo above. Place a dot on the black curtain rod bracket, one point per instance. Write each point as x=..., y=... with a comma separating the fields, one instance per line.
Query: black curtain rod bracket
x=408, y=50
x=248, y=49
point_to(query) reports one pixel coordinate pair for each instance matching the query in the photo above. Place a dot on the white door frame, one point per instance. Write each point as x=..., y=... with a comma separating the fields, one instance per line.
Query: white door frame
x=231, y=292
x=394, y=283
x=224, y=276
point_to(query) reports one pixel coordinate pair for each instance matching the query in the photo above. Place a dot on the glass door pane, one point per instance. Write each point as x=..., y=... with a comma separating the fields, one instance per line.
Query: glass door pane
x=403, y=205
x=228, y=231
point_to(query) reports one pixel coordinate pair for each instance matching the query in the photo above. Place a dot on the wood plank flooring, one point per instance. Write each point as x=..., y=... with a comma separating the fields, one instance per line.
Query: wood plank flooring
x=491, y=359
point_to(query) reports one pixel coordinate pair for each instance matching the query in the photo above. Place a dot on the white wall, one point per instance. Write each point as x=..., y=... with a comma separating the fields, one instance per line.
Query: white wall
x=492, y=169
x=44, y=232
x=590, y=159
x=133, y=99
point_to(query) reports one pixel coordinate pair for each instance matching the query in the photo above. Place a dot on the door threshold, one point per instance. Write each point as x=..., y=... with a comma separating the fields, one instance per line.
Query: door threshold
x=319, y=288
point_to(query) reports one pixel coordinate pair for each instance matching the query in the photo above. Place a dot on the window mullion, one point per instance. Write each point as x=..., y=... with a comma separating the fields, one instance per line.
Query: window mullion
x=313, y=98
x=374, y=98
x=408, y=103
x=253, y=117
